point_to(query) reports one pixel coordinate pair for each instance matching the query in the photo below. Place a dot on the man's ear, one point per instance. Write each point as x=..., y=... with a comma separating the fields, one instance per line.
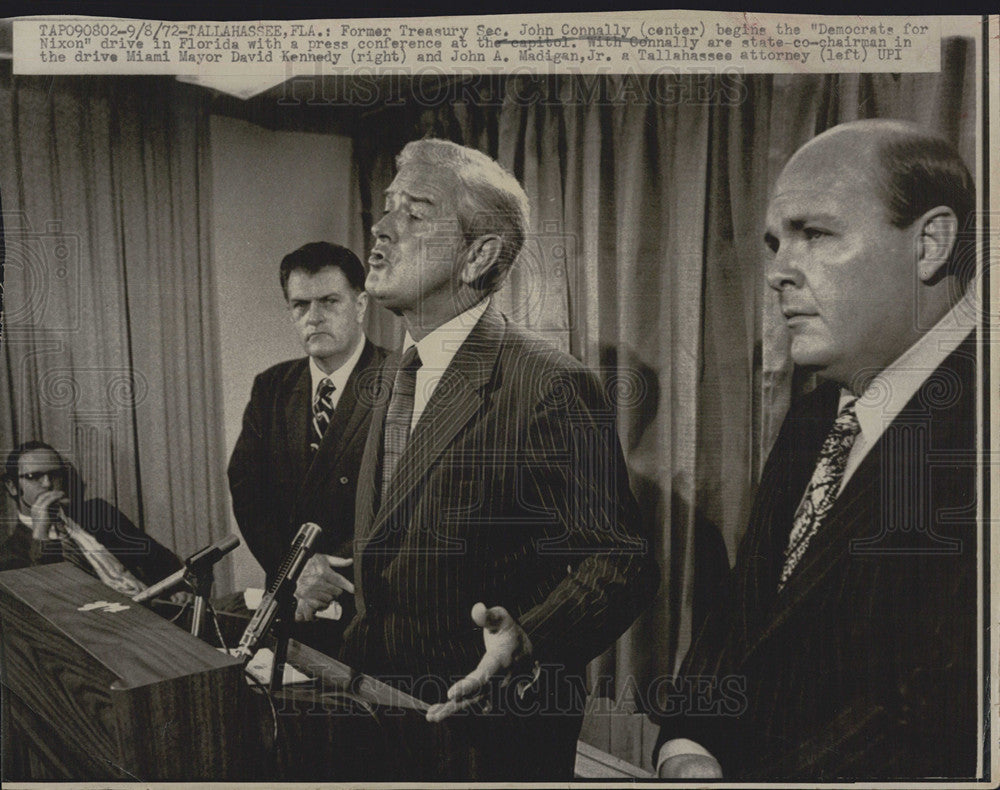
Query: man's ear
x=11, y=488
x=362, y=305
x=480, y=257
x=938, y=231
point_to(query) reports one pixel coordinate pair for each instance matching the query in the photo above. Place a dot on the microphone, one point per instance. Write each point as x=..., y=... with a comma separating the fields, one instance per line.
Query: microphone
x=197, y=562
x=281, y=587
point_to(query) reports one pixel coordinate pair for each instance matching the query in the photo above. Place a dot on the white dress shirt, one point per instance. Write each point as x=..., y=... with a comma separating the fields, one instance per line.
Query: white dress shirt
x=436, y=351
x=338, y=377
x=890, y=391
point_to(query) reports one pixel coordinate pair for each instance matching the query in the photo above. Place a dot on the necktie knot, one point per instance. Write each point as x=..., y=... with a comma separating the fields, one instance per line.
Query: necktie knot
x=846, y=424
x=324, y=390
x=411, y=359
x=322, y=411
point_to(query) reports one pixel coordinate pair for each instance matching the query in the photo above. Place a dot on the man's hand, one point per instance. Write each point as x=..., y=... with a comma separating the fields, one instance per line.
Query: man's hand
x=506, y=644
x=684, y=759
x=690, y=766
x=44, y=513
x=319, y=585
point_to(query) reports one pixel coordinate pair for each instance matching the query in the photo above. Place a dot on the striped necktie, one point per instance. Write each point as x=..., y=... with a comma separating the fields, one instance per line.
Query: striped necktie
x=399, y=414
x=322, y=411
x=823, y=488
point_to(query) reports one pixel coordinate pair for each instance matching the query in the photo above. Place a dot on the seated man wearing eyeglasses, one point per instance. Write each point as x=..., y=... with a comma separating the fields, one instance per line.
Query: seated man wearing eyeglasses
x=55, y=523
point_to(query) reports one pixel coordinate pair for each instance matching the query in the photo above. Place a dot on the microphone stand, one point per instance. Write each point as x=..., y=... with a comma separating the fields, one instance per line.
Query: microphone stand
x=200, y=580
x=282, y=634
x=198, y=575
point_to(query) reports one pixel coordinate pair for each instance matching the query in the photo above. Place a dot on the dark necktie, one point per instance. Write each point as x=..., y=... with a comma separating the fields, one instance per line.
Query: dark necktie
x=399, y=415
x=322, y=412
x=823, y=488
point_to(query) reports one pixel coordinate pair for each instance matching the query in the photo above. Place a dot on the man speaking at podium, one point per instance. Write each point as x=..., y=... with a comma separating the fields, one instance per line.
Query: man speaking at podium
x=493, y=491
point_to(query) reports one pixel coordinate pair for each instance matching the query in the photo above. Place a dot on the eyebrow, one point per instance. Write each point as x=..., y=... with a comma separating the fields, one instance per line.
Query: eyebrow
x=798, y=222
x=295, y=299
x=410, y=196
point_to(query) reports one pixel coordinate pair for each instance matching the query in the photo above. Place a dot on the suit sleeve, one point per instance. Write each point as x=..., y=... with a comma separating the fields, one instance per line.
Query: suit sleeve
x=156, y=561
x=248, y=485
x=577, y=473
x=703, y=682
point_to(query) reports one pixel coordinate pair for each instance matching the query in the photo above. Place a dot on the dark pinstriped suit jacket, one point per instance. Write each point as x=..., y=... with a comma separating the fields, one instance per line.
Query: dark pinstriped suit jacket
x=865, y=665
x=513, y=491
x=277, y=483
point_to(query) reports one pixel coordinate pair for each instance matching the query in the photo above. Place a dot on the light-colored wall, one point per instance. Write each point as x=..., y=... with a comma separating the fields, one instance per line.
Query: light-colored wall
x=272, y=192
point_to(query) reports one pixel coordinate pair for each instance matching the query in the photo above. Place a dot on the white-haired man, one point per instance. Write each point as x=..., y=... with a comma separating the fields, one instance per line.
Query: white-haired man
x=493, y=477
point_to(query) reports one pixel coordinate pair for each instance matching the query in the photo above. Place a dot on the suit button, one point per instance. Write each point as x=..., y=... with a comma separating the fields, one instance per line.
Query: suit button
x=343, y=481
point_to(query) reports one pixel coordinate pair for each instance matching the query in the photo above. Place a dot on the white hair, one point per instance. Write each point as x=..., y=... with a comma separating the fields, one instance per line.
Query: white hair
x=492, y=200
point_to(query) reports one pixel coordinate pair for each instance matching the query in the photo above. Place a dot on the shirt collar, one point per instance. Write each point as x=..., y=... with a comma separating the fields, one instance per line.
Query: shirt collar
x=439, y=346
x=890, y=391
x=340, y=375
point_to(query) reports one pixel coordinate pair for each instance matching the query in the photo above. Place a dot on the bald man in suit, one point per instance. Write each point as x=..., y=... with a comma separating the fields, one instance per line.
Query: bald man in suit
x=846, y=648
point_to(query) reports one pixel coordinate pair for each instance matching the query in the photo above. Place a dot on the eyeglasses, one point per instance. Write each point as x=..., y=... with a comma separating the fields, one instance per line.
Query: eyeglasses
x=51, y=474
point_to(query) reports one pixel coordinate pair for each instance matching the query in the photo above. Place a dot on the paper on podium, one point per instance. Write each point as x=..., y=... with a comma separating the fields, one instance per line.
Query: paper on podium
x=260, y=668
x=252, y=597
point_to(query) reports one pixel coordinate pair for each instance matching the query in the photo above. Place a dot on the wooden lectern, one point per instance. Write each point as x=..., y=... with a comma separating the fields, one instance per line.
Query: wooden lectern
x=97, y=688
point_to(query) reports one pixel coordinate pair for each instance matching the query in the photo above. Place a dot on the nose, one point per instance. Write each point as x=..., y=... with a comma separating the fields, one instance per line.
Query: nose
x=314, y=315
x=382, y=230
x=781, y=272
x=45, y=480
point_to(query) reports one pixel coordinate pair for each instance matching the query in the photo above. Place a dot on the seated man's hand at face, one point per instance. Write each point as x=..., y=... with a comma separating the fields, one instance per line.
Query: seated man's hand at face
x=319, y=585
x=44, y=513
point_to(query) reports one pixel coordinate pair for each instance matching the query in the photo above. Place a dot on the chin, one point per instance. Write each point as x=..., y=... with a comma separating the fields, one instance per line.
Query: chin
x=809, y=351
x=385, y=300
x=321, y=351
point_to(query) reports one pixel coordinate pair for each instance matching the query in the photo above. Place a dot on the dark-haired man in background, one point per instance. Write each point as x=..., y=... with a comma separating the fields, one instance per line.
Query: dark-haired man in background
x=847, y=646
x=304, y=430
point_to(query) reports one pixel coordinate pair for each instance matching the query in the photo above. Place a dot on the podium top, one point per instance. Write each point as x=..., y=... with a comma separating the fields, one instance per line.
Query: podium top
x=135, y=645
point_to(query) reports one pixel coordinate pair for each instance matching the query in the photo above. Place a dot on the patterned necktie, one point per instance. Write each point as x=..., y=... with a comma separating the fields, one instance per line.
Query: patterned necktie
x=399, y=415
x=823, y=488
x=322, y=411
x=79, y=545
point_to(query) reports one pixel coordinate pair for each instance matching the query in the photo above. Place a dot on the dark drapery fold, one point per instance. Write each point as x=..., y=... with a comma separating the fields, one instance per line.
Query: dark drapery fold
x=110, y=346
x=645, y=261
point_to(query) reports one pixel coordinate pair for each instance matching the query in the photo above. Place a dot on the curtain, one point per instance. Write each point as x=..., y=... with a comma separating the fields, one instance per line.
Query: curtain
x=110, y=342
x=645, y=261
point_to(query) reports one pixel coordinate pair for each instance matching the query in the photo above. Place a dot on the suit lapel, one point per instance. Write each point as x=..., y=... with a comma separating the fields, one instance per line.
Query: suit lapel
x=298, y=411
x=852, y=510
x=356, y=398
x=365, y=498
x=785, y=479
x=860, y=506
x=456, y=399
x=347, y=417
